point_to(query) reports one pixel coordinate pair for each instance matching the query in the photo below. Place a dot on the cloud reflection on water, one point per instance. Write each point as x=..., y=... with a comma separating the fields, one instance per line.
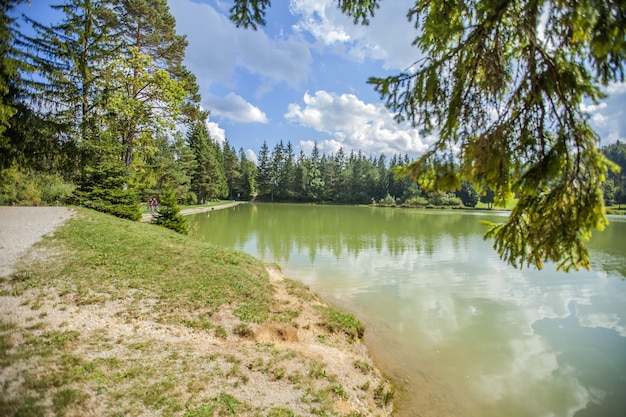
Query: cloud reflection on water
x=442, y=292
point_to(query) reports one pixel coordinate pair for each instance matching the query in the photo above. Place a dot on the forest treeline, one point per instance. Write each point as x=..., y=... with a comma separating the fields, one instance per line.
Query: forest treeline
x=99, y=110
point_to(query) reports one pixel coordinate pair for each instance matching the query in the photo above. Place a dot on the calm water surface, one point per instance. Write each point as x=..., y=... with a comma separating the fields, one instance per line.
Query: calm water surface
x=462, y=332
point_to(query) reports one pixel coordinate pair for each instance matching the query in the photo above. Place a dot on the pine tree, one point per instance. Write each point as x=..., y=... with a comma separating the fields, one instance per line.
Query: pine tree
x=168, y=214
x=264, y=173
x=232, y=168
x=9, y=66
x=247, y=182
x=151, y=44
x=208, y=180
x=69, y=57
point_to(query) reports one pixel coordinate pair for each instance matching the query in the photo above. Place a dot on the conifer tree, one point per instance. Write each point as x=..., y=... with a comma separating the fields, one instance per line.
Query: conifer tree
x=168, y=214
x=69, y=58
x=264, y=174
x=232, y=168
x=247, y=182
x=208, y=180
x=9, y=66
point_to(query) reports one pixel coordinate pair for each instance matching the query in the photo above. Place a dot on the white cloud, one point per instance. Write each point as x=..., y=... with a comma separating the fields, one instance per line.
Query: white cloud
x=607, y=117
x=235, y=108
x=216, y=48
x=315, y=21
x=388, y=37
x=252, y=156
x=616, y=88
x=354, y=124
x=216, y=131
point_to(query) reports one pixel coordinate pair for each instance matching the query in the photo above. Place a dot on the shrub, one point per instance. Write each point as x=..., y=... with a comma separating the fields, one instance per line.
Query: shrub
x=336, y=321
x=388, y=201
x=169, y=213
x=416, y=202
x=19, y=186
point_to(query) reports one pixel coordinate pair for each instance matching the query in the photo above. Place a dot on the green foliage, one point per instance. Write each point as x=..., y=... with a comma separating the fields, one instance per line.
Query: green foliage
x=383, y=395
x=608, y=192
x=168, y=214
x=26, y=187
x=388, y=201
x=616, y=152
x=248, y=13
x=336, y=321
x=103, y=185
x=9, y=65
x=202, y=411
x=208, y=176
x=468, y=194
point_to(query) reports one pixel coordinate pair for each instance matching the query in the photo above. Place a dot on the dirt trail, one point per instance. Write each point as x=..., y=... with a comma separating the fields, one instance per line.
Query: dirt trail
x=146, y=217
x=22, y=227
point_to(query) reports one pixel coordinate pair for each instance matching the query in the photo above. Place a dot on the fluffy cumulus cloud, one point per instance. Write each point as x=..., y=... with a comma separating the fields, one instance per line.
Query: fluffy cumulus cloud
x=235, y=108
x=388, y=37
x=216, y=131
x=354, y=124
x=608, y=116
x=217, y=47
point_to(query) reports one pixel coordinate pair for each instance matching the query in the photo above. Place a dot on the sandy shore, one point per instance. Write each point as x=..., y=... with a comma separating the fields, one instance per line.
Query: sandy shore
x=268, y=369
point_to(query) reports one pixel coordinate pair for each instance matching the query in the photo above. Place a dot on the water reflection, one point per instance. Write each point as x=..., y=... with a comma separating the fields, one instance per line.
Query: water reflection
x=495, y=339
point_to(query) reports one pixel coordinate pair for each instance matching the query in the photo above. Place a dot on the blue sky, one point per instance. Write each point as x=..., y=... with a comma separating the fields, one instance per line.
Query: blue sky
x=302, y=78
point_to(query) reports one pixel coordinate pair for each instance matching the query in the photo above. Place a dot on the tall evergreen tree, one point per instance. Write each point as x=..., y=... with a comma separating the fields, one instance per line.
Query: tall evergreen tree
x=69, y=86
x=264, y=172
x=315, y=181
x=208, y=180
x=232, y=168
x=287, y=178
x=9, y=67
x=277, y=167
x=247, y=182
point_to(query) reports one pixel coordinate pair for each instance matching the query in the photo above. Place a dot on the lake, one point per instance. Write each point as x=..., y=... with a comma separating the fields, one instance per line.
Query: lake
x=458, y=330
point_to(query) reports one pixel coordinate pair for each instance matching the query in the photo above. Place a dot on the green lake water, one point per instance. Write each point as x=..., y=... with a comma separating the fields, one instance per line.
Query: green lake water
x=459, y=331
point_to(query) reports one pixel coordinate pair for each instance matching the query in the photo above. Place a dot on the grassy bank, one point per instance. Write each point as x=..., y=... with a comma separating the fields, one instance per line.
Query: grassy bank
x=118, y=318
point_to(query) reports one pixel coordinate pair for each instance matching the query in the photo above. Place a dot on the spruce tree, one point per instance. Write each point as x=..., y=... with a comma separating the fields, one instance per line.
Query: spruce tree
x=208, y=180
x=168, y=214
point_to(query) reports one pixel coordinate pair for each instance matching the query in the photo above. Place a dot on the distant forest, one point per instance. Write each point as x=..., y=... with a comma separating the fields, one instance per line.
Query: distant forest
x=98, y=110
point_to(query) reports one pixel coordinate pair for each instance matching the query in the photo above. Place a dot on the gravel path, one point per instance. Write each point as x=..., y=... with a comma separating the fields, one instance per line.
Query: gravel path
x=22, y=227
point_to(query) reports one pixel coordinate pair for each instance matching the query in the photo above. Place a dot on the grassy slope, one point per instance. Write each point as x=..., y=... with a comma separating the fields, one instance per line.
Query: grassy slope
x=153, y=275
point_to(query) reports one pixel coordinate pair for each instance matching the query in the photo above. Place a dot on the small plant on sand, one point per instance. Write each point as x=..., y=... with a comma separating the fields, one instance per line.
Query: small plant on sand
x=336, y=321
x=243, y=330
x=364, y=367
x=205, y=410
x=221, y=332
x=383, y=395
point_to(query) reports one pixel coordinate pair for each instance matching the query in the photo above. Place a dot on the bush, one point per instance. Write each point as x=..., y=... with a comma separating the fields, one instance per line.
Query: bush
x=416, y=202
x=169, y=213
x=25, y=187
x=388, y=201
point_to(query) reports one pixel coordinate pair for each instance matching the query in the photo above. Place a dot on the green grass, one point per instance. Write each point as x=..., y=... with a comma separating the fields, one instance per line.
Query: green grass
x=616, y=209
x=162, y=277
x=185, y=280
x=336, y=321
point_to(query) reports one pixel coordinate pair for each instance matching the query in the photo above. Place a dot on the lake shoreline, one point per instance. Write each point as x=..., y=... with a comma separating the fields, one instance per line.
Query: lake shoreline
x=273, y=366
